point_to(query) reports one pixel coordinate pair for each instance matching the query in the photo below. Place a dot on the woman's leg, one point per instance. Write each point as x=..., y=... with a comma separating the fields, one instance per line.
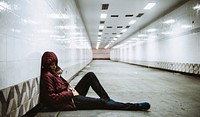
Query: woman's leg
x=104, y=101
x=88, y=80
x=86, y=103
x=113, y=105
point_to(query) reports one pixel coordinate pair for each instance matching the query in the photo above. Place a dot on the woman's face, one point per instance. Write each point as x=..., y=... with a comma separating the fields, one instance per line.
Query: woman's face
x=53, y=66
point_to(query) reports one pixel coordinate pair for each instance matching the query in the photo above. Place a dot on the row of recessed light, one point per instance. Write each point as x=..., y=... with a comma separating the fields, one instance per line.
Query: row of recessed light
x=104, y=15
x=101, y=27
x=114, y=39
x=147, y=7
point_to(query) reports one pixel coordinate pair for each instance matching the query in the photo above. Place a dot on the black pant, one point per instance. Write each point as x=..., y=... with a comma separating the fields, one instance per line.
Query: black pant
x=104, y=102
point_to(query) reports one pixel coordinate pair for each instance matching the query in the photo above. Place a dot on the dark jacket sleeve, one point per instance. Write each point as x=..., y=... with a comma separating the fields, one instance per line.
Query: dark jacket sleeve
x=53, y=94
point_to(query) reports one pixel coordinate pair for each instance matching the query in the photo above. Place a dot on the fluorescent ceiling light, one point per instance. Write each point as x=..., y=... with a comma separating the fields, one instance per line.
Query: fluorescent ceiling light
x=169, y=21
x=82, y=40
x=124, y=30
x=100, y=33
x=107, y=46
x=186, y=26
x=58, y=16
x=131, y=41
x=149, y=6
x=67, y=27
x=132, y=22
x=28, y=21
x=97, y=46
x=134, y=39
x=45, y=31
x=57, y=36
x=115, y=39
x=166, y=33
x=103, y=15
x=118, y=36
x=151, y=30
x=101, y=27
x=197, y=7
x=142, y=35
x=4, y=6
x=74, y=33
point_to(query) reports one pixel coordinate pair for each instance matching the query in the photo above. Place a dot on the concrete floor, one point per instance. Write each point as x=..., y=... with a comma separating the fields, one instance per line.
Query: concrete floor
x=170, y=94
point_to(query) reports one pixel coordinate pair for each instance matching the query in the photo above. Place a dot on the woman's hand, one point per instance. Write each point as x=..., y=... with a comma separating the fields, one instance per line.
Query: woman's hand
x=75, y=93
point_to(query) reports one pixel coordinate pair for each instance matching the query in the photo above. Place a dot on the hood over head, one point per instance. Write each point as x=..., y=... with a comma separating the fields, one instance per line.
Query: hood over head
x=48, y=58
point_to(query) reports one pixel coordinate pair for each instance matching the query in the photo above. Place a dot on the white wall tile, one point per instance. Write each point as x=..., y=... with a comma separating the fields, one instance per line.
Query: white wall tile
x=182, y=45
x=27, y=32
x=2, y=48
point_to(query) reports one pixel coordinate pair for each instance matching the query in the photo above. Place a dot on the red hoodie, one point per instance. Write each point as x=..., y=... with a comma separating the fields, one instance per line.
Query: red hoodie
x=54, y=91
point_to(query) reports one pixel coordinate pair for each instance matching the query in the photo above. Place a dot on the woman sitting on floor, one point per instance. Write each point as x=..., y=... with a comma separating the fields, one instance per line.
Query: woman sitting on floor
x=56, y=93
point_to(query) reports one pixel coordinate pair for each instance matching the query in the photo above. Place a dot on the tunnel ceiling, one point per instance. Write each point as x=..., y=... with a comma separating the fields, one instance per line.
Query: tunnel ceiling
x=124, y=18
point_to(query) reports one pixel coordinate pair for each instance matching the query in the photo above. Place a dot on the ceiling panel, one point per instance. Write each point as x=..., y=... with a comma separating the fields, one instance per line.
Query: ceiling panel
x=90, y=11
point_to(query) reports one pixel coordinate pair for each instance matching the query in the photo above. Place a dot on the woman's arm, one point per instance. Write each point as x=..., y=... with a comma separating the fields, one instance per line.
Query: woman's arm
x=49, y=89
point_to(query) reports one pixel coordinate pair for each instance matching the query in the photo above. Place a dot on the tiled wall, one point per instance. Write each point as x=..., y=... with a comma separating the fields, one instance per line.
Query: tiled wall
x=28, y=28
x=16, y=100
x=171, y=42
x=172, y=66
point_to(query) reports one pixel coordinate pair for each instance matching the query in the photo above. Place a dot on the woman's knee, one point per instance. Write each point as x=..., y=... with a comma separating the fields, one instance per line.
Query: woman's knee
x=91, y=75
